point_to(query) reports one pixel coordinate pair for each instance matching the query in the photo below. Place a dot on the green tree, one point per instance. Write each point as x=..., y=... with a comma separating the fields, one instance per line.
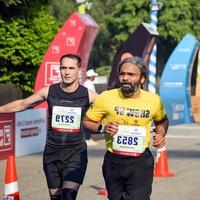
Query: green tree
x=176, y=19
x=22, y=46
x=61, y=9
x=117, y=20
x=102, y=52
x=27, y=28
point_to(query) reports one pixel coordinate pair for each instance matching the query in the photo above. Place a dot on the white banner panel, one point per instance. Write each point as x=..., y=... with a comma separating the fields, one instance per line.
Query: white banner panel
x=31, y=131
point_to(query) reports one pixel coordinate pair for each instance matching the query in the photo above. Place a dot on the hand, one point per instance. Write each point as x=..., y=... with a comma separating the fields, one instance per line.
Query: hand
x=158, y=141
x=111, y=128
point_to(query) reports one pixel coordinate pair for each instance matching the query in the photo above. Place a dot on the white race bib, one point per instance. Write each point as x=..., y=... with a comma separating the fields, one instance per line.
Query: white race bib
x=129, y=140
x=66, y=119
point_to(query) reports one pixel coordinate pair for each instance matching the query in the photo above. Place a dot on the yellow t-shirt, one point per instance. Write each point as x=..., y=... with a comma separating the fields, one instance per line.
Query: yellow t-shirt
x=111, y=105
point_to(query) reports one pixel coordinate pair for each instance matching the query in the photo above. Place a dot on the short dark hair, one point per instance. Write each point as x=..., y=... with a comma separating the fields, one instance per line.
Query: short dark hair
x=136, y=61
x=72, y=56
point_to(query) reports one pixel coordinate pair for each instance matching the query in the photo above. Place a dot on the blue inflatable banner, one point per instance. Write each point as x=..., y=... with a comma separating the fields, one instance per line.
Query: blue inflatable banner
x=175, y=84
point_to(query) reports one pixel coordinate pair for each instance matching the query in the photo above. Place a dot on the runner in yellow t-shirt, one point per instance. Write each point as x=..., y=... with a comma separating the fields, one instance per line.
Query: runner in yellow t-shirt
x=127, y=113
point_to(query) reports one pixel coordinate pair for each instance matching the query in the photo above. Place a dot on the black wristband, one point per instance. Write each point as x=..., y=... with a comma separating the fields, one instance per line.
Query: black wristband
x=100, y=128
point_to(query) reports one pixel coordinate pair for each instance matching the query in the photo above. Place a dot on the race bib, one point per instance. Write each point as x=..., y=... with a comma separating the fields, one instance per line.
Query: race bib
x=66, y=119
x=129, y=140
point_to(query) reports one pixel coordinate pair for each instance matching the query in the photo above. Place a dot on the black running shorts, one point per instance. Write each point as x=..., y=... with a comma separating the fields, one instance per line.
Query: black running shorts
x=65, y=164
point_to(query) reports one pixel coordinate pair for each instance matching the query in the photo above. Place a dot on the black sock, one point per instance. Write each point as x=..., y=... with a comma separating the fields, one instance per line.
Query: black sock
x=55, y=197
x=68, y=194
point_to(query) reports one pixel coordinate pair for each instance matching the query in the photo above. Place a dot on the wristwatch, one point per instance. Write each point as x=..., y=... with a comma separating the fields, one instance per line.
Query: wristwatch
x=101, y=128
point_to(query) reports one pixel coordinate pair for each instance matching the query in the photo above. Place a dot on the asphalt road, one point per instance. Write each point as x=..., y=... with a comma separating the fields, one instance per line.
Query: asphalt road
x=183, y=149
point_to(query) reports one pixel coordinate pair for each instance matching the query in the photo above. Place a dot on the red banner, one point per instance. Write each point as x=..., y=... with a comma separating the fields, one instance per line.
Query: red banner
x=7, y=135
x=76, y=36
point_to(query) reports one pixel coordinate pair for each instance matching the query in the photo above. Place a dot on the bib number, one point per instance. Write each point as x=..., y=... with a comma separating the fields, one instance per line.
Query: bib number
x=66, y=119
x=129, y=140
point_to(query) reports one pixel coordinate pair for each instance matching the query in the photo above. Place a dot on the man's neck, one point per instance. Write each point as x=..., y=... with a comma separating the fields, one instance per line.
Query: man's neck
x=69, y=88
x=137, y=94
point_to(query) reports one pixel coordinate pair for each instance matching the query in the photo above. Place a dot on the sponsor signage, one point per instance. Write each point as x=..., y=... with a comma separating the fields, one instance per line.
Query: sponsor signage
x=175, y=84
x=7, y=135
x=31, y=130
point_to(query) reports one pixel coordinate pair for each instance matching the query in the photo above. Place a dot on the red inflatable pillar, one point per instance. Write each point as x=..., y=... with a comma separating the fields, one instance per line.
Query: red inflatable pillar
x=76, y=36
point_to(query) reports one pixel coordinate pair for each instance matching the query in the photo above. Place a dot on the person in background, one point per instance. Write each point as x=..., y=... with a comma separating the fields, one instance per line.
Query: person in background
x=127, y=113
x=89, y=84
x=65, y=155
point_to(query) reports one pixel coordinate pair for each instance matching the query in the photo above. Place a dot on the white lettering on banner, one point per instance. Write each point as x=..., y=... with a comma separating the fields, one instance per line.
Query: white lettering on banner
x=72, y=23
x=55, y=49
x=29, y=132
x=177, y=116
x=52, y=73
x=66, y=119
x=1, y=137
x=5, y=135
x=70, y=41
x=178, y=66
x=21, y=123
x=173, y=84
x=8, y=197
x=177, y=111
x=178, y=107
x=184, y=50
x=129, y=140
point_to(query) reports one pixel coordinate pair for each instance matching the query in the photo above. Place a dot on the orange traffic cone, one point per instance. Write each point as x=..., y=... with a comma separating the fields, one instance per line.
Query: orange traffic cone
x=11, y=191
x=161, y=166
x=103, y=192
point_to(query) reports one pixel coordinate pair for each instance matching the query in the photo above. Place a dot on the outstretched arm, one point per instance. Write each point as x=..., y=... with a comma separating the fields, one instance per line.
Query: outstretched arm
x=23, y=104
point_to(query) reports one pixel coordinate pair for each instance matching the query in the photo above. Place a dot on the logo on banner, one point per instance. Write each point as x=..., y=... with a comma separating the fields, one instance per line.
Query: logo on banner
x=177, y=111
x=70, y=41
x=178, y=66
x=5, y=135
x=29, y=132
x=55, y=49
x=72, y=23
x=8, y=198
x=173, y=84
x=52, y=73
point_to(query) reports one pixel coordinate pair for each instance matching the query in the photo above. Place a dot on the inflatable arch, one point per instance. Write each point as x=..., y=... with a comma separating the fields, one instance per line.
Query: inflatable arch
x=76, y=36
x=175, y=84
x=140, y=43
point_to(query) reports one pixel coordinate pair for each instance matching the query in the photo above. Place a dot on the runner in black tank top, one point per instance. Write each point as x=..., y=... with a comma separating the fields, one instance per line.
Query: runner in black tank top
x=65, y=154
x=77, y=100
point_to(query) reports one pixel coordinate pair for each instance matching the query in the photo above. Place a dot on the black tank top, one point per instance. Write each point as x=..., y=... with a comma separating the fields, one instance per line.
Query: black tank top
x=65, y=110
